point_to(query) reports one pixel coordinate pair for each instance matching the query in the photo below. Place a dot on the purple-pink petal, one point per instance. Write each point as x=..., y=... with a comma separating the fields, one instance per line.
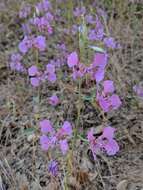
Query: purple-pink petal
x=100, y=60
x=33, y=70
x=46, y=126
x=52, y=77
x=50, y=68
x=35, y=81
x=54, y=100
x=45, y=143
x=67, y=127
x=108, y=86
x=25, y=44
x=115, y=101
x=104, y=103
x=23, y=47
x=111, y=147
x=73, y=59
x=90, y=135
x=53, y=167
x=64, y=146
x=110, y=42
x=99, y=75
x=108, y=132
x=40, y=43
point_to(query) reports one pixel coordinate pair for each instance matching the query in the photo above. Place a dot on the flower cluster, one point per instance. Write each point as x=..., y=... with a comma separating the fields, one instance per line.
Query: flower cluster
x=79, y=11
x=105, y=142
x=96, y=70
x=36, y=76
x=43, y=6
x=108, y=100
x=43, y=23
x=110, y=42
x=28, y=42
x=98, y=32
x=90, y=28
x=50, y=73
x=35, y=31
x=53, y=168
x=15, y=63
x=51, y=138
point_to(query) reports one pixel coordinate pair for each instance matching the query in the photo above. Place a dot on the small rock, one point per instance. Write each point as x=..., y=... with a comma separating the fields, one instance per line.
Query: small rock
x=122, y=185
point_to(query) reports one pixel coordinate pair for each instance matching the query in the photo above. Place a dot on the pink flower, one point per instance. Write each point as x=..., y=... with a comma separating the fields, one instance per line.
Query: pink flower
x=104, y=103
x=45, y=143
x=49, y=16
x=108, y=132
x=95, y=148
x=52, y=139
x=90, y=19
x=67, y=128
x=33, y=70
x=73, y=59
x=50, y=73
x=17, y=66
x=46, y=126
x=79, y=11
x=50, y=68
x=79, y=71
x=53, y=168
x=115, y=101
x=35, y=81
x=100, y=60
x=40, y=43
x=109, y=144
x=108, y=86
x=99, y=75
x=109, y=103
x=28, y=42
x=42, y=24
x=106, y=99
x=25, y=45
x=15, y=62
x=52, y=77
x=110, y=42
x=43, y=6
x=97, y=69
x=105, y=142
x=34, y=74
x=16, y=57
x=64, y=146
x=54, y=100
x=96, y=34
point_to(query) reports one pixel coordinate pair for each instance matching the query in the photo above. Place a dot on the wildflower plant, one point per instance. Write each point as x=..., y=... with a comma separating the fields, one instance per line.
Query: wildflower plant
x=86, y=64
x=51, y=138
x=104, y=142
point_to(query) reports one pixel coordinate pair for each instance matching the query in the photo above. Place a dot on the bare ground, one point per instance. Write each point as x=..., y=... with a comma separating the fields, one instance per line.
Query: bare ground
x=23, y=166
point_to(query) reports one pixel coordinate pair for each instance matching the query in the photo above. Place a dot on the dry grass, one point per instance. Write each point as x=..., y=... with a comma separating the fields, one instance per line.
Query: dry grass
x=22, y=163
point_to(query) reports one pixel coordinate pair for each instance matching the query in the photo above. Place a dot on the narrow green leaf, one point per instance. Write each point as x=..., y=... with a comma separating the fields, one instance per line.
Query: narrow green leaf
x=98, y=49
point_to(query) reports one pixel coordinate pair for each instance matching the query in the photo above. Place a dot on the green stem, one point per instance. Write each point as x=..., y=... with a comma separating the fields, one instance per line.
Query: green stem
x=70, y=10
x=37, y=64
x=83, y=139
